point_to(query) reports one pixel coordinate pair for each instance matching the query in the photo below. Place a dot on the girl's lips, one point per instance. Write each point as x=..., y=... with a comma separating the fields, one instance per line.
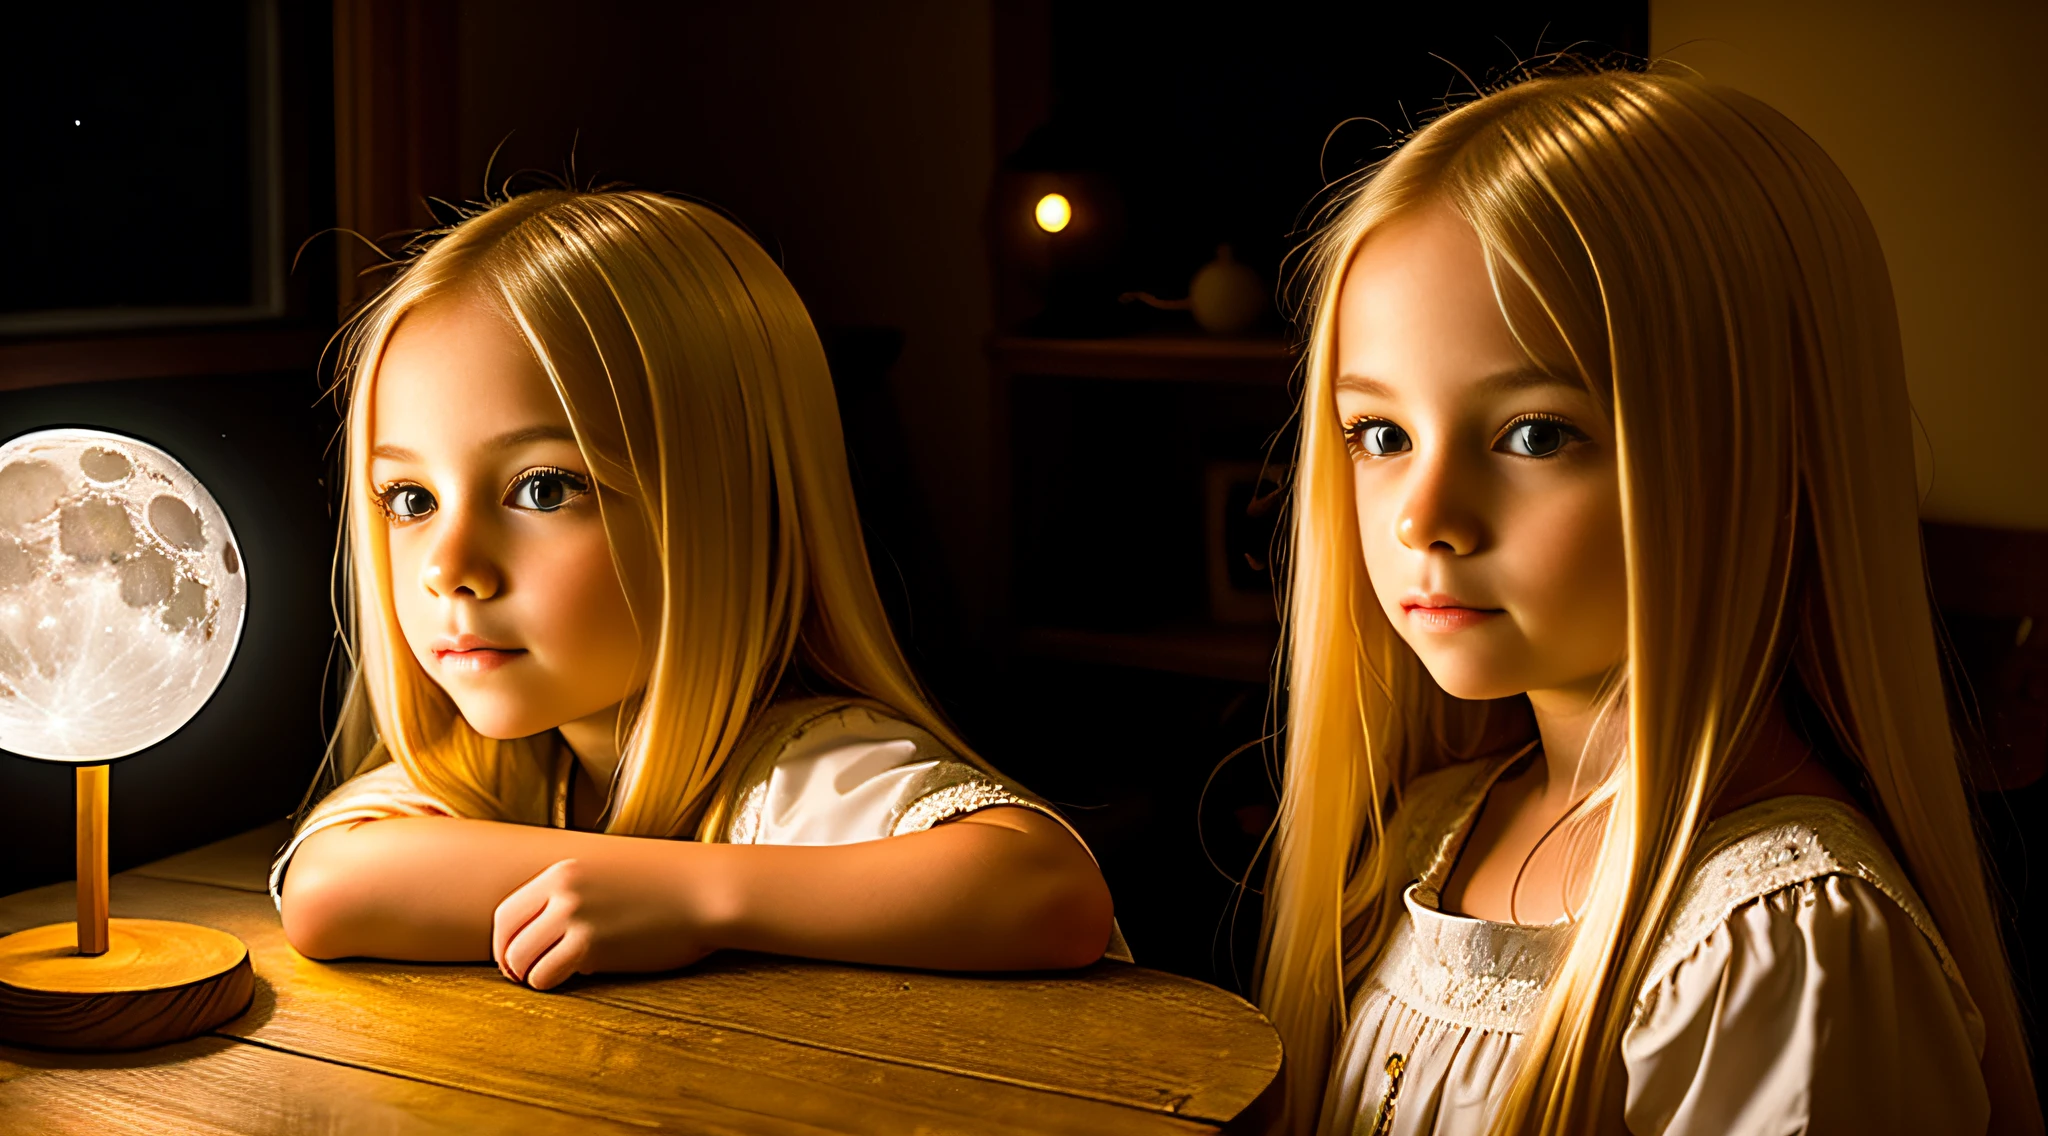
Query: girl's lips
x=477, y=660
x=472, y=654
x=1430, y=617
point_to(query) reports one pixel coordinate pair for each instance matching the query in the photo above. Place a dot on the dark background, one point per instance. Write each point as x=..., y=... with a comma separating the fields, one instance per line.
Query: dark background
x=865, y=145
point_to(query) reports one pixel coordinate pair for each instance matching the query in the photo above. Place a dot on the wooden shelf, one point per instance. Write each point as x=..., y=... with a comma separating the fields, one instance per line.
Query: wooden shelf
x=1240, y=654
x=1184, y=358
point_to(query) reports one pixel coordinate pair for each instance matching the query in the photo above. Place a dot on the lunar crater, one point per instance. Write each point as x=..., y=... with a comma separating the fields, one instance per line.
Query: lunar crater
x=146, y=579
x=19, y=563
x=29, y=491
x=177, y=523
x=95, y=529
x=104, y=465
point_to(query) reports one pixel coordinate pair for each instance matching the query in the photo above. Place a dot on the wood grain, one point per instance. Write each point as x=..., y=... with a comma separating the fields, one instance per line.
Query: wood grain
x=91, y=802
x=145, y=954
x=219, y=1086
x=159, y=981
x=624, y=1053
x=122, y=1021
x=1113, y=1032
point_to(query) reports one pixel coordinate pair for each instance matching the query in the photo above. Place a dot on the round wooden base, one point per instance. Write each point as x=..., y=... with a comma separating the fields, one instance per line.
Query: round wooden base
x=159, y=982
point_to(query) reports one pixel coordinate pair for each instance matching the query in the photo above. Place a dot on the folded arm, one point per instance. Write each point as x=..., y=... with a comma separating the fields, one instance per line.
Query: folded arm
x=1000, y=889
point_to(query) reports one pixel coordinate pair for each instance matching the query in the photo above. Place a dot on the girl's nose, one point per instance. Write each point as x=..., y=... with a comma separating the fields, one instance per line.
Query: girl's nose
x=458, y=565
x=1437, y=516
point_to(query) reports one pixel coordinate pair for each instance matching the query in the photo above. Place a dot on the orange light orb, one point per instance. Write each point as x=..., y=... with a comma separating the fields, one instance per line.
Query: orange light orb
x=1053, y=212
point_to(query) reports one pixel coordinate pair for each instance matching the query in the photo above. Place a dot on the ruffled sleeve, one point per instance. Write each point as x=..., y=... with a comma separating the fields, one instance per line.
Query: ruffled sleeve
x=851, y=773
x=1821, y=1007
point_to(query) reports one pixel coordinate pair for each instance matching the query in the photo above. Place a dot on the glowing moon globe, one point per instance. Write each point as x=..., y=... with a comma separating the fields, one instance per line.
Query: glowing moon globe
x=121, y=595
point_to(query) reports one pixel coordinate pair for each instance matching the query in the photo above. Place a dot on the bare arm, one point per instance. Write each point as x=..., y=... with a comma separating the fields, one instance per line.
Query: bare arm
x=1003, y=888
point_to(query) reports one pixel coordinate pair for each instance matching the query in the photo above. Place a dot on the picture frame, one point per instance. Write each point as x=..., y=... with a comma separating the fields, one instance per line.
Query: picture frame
x=1241, y=509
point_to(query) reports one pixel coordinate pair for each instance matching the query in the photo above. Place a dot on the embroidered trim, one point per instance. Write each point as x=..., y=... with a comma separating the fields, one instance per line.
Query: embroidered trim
x=745, y=826
x=1476, y=1002
x=954, y=800
x=955, y=788
x=1435, y=814
x=1768, y=847
x=1471, y=972
x=1494, y=976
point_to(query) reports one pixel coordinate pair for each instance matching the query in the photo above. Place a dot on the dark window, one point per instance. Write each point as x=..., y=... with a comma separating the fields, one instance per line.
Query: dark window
x=141, y=158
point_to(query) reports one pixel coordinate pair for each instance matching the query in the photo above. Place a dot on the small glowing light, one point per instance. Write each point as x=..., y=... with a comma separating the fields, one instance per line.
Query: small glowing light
x=76, y=122
x=1053, y=212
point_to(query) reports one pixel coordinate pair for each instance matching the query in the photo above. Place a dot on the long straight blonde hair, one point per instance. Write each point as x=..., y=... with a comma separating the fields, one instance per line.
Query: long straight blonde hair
x=699, y=394
x=1700, y=264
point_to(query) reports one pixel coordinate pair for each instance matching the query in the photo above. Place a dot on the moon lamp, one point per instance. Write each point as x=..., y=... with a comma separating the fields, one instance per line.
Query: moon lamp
x=122, y=593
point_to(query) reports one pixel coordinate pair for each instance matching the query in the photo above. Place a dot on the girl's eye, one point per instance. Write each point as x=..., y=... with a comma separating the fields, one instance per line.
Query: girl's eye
x=1377, y=437
x=545, y=490
x=1538, y=437
x=406, y=502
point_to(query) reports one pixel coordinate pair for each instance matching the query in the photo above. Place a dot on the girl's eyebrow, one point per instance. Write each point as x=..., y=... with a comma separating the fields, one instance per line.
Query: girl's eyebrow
x=1519, y=378
x=521, y=437
x=503, y=441
x=1363, y=385
x=1524, y=378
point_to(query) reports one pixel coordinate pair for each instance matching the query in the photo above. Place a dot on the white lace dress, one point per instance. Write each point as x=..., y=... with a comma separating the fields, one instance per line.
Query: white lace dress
x=1800, y=989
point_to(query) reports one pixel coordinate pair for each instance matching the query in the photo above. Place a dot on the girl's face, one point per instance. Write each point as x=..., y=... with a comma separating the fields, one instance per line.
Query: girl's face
x=1488, y=502
x=500, y=569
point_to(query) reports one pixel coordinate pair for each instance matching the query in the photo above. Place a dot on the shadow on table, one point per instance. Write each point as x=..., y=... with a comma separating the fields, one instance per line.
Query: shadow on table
x=261, y=1006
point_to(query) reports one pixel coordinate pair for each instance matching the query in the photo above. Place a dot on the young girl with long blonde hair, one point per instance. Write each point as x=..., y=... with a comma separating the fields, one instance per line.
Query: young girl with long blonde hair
x=1619, y=788
x=623, y=692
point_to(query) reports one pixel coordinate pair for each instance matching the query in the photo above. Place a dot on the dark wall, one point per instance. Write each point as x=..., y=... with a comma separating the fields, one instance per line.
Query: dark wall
x=258, y=443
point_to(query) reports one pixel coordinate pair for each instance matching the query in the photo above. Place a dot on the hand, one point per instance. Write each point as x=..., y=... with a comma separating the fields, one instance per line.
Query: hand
x=584, y=917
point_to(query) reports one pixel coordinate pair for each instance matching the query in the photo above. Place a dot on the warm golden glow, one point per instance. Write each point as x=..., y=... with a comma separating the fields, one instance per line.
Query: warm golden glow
x=1053, y=212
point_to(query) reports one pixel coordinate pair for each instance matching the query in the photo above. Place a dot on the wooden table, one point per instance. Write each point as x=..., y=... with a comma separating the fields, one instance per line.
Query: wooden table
x=739, y=1044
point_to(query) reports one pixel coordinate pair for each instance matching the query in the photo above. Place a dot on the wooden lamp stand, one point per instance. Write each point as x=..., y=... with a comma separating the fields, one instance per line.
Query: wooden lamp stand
x=105, y=983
